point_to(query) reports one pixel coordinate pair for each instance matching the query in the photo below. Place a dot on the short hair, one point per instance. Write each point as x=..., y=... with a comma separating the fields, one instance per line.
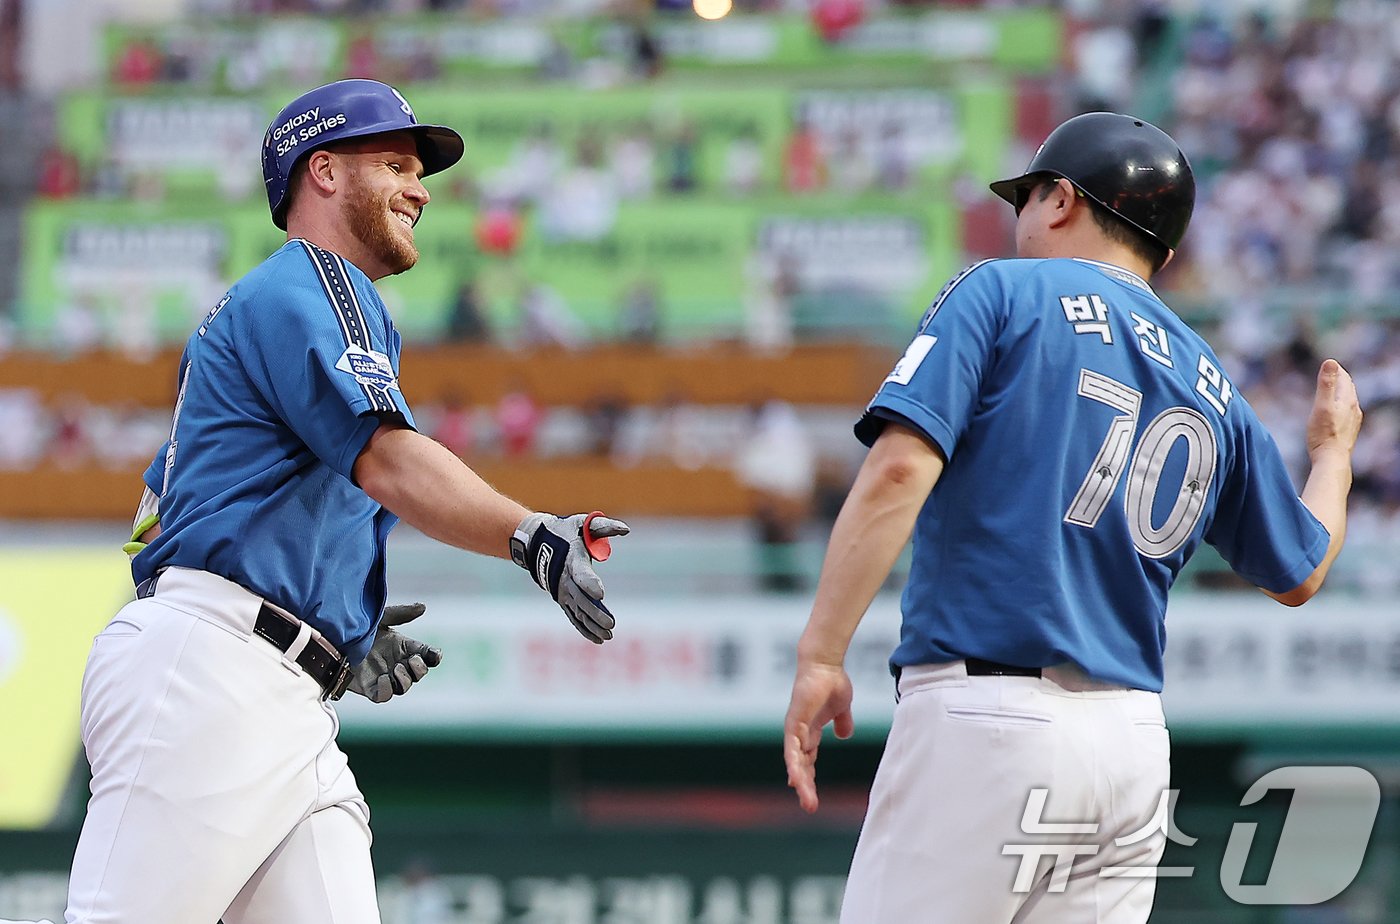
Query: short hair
x=1119, y=230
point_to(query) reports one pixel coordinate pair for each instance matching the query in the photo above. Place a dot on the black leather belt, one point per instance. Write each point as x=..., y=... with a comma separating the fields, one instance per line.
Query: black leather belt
x=976, y=667
x=320, y=659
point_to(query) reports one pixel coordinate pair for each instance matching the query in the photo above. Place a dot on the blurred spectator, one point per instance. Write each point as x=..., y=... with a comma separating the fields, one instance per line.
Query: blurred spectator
x=138, y=64
x=77, y=326
x=804, y=164
x=60, y=176
x=557, y=63
x=68, y=441
x=362, y=56
x=466, y=320
x=671, y=431
x=634, y=162
x=133, y=331
x=777, y=463
x=454, y=426
x=647, y=60
x=22, y=428
x=743, y=161
x=518, y=418
x=639, y=321
x=124, y=435
x=1104, y=54
x=605, y=415
x=531, y=170
x=110, y=179
x=498, y=228
x=852, y=170
x=833, y=19
x=773, y=286
x=894, y=167
x=583, y=202
x=545, y=319
x=682, y=159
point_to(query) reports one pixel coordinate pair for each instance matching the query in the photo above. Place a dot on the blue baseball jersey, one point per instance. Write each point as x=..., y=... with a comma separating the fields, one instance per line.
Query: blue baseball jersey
x=1092, y=442
x=280, y=389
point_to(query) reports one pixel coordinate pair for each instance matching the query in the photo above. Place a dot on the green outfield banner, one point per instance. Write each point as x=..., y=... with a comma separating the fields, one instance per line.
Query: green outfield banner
x=155, y=271
x=245, y=54
x=723, y=200
x=677, y=136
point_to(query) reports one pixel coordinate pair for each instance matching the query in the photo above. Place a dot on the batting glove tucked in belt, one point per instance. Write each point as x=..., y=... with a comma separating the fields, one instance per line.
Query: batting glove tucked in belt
x=553, y=550
x=395, y=661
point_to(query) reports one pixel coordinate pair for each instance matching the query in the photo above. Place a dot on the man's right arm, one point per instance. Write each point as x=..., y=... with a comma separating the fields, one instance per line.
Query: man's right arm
x=1333, y=426
x=873, y=527
x=428, y=487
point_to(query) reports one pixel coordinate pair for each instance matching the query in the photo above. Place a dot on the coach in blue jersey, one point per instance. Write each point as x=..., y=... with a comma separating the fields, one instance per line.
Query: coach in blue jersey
x=218, y=790
x=1058, y=443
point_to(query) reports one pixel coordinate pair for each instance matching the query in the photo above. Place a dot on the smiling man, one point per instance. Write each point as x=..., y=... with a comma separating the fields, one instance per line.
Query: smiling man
x=218, y=789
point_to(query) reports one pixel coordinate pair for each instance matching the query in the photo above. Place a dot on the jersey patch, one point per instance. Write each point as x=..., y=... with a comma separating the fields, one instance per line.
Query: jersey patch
x=370, y=368
x=911, y=360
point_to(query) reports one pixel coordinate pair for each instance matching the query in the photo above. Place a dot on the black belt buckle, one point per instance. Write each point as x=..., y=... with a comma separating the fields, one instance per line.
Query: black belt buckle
x=977, y=667
x=337, y=687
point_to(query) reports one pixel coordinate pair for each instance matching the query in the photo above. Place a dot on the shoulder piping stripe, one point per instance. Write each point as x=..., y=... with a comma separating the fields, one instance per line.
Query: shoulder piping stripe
x=363, y=322
x=947, y=290
x=339, y=290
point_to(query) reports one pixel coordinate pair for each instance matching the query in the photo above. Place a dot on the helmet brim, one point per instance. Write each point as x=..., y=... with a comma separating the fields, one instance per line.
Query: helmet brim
x=1007, y=189
x=439, y=147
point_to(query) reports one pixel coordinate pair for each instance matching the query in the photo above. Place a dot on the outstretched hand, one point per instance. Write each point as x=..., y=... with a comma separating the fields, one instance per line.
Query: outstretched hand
x=821, y=693
x=555, y=553
x=1335, y=420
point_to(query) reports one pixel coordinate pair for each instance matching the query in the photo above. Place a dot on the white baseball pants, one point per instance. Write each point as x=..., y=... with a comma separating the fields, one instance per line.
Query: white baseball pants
x=218, y=790
x=964, y=760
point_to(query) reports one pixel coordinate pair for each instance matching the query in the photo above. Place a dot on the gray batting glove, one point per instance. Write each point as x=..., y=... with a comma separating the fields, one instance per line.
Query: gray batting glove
x=552, y=549
x=395, y=661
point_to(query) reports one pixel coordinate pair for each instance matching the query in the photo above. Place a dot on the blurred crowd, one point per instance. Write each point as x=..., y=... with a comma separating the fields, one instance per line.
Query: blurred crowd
x=1293, y=126
x=1292, y=123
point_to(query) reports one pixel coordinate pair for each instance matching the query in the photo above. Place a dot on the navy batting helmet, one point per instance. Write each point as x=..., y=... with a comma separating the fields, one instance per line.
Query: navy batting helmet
x=340, y=110
x=1128, y=166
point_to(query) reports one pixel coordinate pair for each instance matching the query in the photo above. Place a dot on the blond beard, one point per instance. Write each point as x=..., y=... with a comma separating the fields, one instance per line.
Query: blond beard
x=370, y=219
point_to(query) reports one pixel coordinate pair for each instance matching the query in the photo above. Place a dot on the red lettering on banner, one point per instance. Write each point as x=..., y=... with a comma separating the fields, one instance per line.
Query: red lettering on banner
x=626, y=663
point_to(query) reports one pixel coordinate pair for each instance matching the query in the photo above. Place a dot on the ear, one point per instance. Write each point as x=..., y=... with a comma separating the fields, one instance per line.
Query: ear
x=1167, y=262
x=1064, y=202
x=323, y=170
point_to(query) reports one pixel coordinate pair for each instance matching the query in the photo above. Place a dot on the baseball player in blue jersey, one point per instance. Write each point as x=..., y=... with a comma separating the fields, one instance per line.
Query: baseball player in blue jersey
x=1058, y=443
x=218, y=789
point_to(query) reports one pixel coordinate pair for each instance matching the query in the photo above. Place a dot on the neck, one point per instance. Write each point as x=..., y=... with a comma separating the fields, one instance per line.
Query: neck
x=1095, y=247
x=335, y=237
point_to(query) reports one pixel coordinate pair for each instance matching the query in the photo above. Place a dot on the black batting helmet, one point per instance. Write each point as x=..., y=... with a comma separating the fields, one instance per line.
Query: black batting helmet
x=1128, y=166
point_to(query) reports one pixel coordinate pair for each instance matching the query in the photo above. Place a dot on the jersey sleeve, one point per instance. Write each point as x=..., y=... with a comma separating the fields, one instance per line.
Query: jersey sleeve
x=1261, y=527
x=934, y=386
x=154, y=476
x=328, y=366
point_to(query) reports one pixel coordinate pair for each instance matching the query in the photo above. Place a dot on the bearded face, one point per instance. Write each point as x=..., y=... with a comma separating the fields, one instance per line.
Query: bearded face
x=381, y=219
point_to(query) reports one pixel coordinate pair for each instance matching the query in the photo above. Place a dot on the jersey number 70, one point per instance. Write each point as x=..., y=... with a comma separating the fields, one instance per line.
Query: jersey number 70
x=1145, y=468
